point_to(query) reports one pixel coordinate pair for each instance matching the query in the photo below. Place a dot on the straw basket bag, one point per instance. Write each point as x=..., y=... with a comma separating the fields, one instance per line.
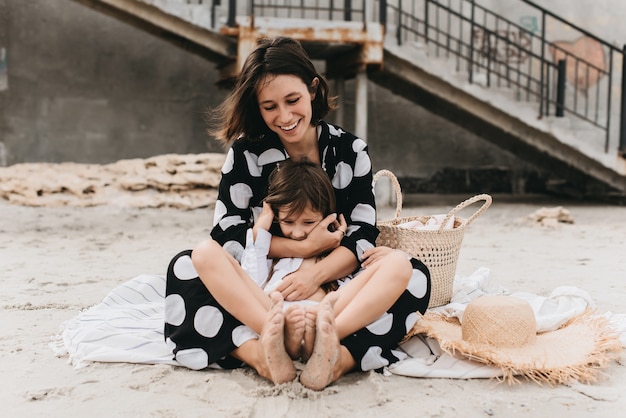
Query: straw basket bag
x=438, y=249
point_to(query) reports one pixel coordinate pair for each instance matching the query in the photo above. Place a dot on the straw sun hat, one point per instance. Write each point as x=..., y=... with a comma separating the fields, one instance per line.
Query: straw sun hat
x=501, y=330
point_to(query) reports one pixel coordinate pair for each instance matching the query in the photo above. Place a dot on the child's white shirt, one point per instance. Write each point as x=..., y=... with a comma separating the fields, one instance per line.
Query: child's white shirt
x=257, y=264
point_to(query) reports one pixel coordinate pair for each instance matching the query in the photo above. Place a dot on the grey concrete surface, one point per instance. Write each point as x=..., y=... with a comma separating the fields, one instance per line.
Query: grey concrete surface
x=84, y=87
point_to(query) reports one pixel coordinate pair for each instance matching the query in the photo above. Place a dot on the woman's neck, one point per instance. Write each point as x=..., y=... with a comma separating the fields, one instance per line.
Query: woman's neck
x=306, y=148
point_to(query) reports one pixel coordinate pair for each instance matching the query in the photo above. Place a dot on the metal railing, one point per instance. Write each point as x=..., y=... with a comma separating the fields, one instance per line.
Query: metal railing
x=347, y=10
x=520, y=58
x=492, y=50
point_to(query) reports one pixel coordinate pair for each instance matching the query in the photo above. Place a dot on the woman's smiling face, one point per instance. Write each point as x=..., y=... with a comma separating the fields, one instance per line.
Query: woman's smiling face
x=285, y=106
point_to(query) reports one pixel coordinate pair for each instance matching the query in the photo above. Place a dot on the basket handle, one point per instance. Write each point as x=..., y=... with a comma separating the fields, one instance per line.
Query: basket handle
x=396, y=185
x=464, y=204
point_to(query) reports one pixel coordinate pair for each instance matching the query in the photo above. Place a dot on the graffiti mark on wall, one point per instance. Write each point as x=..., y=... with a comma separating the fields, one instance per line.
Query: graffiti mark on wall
x=4, y=78
x=585, y=61
x=530, y=23
x=503, y=45
x=509, y=45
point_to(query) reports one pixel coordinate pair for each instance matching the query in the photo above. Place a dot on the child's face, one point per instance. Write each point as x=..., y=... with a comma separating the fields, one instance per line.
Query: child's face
x=298, y=226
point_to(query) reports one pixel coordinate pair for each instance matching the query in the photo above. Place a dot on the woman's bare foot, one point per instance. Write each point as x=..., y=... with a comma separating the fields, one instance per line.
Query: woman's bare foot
x=280, y=368
x=294, y=331
x=310, y=317
x=319, y=370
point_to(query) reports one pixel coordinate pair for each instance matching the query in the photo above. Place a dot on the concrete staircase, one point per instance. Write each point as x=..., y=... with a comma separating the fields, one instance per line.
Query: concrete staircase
x=573, y=151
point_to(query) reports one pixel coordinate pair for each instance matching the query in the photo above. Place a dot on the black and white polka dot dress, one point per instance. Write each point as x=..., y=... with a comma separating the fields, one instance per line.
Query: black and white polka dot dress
x=202, y=334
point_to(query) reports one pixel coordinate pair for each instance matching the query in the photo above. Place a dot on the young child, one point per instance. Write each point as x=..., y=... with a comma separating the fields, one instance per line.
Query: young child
x=300, y=196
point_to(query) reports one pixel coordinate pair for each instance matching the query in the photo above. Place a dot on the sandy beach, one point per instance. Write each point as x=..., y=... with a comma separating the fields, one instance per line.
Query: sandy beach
x=57, y=261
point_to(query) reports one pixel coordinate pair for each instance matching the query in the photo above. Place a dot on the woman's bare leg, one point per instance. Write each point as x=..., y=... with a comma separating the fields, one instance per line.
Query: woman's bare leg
x=367, y=296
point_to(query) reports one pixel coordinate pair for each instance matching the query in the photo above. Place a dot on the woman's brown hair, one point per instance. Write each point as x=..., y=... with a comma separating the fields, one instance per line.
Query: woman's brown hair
x=239, y=113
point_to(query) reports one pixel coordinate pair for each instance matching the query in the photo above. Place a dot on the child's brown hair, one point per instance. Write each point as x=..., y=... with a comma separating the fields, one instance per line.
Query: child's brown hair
x=294, y=185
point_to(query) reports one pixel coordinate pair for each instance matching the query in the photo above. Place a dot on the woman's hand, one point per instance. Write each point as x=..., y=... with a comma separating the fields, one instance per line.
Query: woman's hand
x=299, y=285
x=302, y=283
x=374, y=254
x=321, y=239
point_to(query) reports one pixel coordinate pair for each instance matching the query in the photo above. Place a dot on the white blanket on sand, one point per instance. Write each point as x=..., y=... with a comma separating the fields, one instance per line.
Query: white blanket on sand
x=127, y=326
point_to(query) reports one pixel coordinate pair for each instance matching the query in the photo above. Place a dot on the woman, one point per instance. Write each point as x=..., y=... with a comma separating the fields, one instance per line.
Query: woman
x=274, y=113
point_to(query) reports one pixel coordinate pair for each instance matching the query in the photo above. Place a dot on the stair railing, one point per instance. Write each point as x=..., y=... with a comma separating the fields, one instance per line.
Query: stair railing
x=492, y=50
x=499, y=52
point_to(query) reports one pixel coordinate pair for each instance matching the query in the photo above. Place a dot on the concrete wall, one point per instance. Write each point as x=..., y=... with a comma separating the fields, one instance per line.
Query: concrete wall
x=603, y=18
x=83, y=87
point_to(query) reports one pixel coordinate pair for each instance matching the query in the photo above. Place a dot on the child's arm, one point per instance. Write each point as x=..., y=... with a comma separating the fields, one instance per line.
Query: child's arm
x=264, y=221
x=254, y=259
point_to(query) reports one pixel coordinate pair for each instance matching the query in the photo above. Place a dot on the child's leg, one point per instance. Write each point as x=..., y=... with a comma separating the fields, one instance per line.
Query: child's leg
x=294, y=330
x=368, y=295
x=310, y=324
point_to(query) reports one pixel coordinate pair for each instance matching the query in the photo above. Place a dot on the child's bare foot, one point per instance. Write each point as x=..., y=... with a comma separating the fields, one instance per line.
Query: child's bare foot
x=310, y=317
x=294, y=331
x=280, y=367
x=319, y=370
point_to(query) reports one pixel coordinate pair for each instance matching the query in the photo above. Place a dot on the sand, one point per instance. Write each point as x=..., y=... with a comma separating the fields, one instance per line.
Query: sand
x=56, y=261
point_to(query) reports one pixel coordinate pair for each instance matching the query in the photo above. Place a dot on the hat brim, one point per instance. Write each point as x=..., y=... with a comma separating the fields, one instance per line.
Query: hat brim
x=576, y=351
